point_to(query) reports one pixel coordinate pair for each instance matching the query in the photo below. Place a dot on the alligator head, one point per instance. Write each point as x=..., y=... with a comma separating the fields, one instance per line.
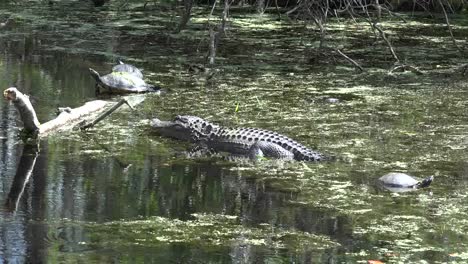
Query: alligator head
x=189, y=128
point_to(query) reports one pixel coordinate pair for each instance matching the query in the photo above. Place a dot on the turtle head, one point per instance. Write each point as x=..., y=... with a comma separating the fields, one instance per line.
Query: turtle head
x=95, y=74
x=154, y=88
x=426, y=182
x=11, y=93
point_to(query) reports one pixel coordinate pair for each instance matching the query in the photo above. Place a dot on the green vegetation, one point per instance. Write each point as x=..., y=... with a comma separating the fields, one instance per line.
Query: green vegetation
x=139, y=195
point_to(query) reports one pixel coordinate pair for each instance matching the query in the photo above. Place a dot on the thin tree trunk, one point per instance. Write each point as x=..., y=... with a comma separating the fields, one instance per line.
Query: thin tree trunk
x=215, y=36
x=212, y=47
x=188, y=4
x=261, y=6
x=277, y=10
x=448, y=25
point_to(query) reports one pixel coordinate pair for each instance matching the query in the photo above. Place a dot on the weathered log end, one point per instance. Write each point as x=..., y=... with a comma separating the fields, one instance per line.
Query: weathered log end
x=66, y=120
x=23, y=105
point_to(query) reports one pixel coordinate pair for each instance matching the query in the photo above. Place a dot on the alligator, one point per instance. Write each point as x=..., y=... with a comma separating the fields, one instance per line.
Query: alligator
x=251, y=142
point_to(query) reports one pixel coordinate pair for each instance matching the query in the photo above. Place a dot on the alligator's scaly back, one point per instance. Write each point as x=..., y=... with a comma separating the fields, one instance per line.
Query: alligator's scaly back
x=251, y=136
x=246, y=141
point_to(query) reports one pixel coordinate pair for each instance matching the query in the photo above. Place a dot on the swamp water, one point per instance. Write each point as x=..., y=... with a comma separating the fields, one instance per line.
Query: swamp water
x=119, y=193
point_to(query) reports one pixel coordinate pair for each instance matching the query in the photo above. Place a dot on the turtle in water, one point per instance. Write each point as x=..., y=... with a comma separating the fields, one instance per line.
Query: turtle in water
x=124, y=67
x=121, y=82
x=401, y=182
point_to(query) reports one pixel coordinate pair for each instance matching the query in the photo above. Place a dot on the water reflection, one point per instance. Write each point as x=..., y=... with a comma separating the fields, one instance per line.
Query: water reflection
x=22, y=238
x=84, y=188
x=23, y=173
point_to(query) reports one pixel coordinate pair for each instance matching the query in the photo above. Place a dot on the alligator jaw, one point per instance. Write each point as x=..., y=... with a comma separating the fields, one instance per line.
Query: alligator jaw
x=171, y=129
x=157, y=123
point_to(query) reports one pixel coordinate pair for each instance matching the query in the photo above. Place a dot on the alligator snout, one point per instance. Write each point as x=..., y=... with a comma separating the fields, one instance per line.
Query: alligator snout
x=157, y=123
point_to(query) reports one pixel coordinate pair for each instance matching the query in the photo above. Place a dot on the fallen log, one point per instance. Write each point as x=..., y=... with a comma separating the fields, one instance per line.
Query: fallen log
x=69, y=119
x=66, y=120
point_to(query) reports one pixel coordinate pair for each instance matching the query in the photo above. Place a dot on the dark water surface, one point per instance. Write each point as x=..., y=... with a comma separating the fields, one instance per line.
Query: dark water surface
x=119, y=193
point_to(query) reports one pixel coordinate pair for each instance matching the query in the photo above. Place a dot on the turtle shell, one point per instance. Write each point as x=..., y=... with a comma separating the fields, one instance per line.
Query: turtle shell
x=399, y=180
x=124, y=82
x=123, y=67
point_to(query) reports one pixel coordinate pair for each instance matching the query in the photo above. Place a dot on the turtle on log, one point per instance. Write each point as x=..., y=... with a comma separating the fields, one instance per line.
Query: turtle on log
x=121, y=82
x=124, y=67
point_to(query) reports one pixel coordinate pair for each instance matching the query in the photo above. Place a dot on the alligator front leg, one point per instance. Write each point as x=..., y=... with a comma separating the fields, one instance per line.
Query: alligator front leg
x=271, y=150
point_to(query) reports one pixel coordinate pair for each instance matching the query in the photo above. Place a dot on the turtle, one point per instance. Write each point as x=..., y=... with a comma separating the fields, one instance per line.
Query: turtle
x=121, y=82
x=124, y=67
x=401, y=182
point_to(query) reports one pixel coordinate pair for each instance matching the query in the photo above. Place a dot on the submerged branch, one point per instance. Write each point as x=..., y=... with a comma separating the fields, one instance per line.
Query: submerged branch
x=384, y=37
x=448, y=25
x=406, y=67
x=105, y=114
x=350, y=60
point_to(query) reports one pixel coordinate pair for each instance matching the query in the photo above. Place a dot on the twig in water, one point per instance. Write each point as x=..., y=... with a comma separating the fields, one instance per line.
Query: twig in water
x=105, y=114
x=406, y=67
x=350, y=60
x=382, y=34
